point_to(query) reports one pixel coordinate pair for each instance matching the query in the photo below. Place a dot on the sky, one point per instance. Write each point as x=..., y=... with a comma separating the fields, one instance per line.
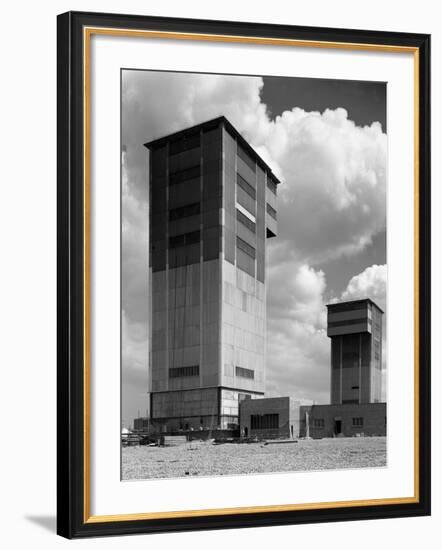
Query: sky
x=326, y=140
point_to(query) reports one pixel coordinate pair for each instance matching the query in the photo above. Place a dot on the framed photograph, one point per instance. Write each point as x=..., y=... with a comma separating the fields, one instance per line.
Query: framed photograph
x=243, y=274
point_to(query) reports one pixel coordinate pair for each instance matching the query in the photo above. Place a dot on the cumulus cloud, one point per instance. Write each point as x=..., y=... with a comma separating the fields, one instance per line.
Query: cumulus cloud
x=371, y=283
x=331, y=203
x=297, y=344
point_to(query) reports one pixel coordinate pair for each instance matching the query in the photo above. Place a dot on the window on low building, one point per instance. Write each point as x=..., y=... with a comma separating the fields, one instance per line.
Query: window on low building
x=264, y=421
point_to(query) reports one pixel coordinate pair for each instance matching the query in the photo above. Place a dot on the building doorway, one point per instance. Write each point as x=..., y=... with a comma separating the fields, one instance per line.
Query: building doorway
x=338, y=427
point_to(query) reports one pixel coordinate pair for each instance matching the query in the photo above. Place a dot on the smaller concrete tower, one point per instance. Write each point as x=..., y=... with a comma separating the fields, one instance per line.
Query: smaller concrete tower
x=355, y=329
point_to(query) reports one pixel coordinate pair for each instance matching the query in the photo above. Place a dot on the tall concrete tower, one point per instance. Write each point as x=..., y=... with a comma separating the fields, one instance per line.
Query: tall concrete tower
x=212, y=206
x=355, y=329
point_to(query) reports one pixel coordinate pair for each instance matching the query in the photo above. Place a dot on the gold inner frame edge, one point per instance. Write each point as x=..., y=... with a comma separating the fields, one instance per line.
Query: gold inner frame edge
x=87, y=33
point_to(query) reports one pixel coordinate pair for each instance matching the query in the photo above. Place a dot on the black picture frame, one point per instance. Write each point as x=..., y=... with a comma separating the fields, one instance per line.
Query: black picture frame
x=72, y=515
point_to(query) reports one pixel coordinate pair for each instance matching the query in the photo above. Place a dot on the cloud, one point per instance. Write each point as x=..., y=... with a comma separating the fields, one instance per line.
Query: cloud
x=371, y=283
x=297, y=344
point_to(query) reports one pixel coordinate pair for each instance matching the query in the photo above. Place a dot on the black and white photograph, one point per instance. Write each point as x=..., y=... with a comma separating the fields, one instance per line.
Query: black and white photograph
x=253, y=274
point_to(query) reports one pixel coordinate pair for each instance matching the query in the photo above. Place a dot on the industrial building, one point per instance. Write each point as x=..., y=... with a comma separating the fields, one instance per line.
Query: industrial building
x=268, y=418
x=355, y=409
x=353, y=419
x=355, y=330
x=212, y=207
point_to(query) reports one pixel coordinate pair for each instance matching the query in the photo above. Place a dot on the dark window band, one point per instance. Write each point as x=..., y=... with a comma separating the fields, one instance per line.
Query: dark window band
x=185, y=175
x=246, y=158
x=264, y=421
x=245, y=373
x=245, y=221
x=350, y=322
x=245, y=247
x=271, y=185
x=271, y=211
x=184, y=239
x=245, y=186
x=184, y=211
x=180, y=372
x=338, y=308
x=184, y=144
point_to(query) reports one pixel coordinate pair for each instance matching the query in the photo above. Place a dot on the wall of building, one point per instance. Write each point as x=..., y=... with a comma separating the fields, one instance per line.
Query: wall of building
x=207, y=261
x=281, y=406
x=355, y=329
x=376, y=355
x=323, y=420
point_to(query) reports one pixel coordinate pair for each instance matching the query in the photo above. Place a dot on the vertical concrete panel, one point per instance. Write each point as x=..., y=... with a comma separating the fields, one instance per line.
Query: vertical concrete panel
x=229, y=179
x=260, y=224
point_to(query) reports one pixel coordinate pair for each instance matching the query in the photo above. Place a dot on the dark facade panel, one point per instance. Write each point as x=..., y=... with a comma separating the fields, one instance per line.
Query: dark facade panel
x=193, y=172
x=184, y=193
x=211, y=243
x=184, y=255
x=183, y=143
x=184, y=161
x=158, y=162
x=186, y=225
x=158, y=255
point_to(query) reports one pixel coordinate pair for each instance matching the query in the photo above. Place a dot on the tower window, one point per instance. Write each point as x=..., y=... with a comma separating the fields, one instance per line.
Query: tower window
x=245, y=247
x=245, y=373
x=362, y=320
x=245, y=221
x=264, y=421
x=184, y=143
x=184, y=239
x=180, y=372
x=271, y=211
x=245, y=186
x=184, y=211
x=184, y=175
x=246, y=158
x=271, y=185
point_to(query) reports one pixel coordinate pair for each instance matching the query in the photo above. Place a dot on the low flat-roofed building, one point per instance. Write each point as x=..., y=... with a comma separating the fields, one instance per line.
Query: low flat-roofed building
x=269, y=418
x=318, y=421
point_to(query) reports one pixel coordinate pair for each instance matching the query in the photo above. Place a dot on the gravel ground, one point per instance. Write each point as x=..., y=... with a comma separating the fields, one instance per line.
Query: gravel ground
x=205, y=459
